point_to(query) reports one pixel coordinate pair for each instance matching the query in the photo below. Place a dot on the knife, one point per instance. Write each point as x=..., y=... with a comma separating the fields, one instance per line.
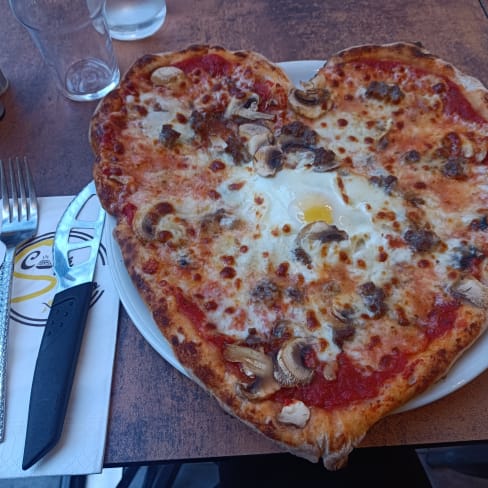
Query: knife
x=62, y=337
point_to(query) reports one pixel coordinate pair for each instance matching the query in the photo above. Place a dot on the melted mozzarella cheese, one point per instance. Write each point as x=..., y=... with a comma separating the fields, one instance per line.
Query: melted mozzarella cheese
x=164, y=110
x=279, y=207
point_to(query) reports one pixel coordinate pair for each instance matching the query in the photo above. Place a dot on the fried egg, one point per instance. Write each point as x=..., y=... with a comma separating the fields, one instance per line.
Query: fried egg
x=292, y=199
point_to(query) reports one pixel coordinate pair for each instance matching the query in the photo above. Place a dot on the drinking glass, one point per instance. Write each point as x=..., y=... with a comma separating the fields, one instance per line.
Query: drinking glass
x=134, y=19
x=75, y=43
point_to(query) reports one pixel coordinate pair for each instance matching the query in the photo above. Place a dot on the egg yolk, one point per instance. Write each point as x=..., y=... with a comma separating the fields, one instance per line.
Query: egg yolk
x=312, y=211
x=318, y=212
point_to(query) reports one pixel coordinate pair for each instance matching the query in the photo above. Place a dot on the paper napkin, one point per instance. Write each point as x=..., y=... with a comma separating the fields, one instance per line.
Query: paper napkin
x=81, y=447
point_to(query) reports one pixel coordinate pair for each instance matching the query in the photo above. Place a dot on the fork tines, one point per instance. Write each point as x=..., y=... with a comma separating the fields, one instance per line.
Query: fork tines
x=17, y=190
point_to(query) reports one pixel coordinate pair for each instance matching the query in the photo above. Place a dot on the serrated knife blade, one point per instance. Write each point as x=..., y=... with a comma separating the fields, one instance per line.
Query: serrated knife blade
x=60, y=345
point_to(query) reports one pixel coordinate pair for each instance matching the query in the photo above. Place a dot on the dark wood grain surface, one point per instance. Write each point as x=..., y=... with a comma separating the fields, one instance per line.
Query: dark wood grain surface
x=156, y=413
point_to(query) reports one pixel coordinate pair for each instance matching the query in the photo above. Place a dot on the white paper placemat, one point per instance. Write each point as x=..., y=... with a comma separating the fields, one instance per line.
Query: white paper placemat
x=81, y=447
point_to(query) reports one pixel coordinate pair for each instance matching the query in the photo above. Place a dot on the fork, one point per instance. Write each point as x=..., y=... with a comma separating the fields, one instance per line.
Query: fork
x=19, y=223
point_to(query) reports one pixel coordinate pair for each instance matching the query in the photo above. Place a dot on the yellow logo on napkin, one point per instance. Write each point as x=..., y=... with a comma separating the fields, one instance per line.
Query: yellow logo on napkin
x=34, y=284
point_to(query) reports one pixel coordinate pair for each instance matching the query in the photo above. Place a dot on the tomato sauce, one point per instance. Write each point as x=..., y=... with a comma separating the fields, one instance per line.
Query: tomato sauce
x=195, y=315
x=129, y=211
x=456, y=103
x=266, y=91
x=441, y=318
x=190, y=310
x=351, y=384
x=213, y=64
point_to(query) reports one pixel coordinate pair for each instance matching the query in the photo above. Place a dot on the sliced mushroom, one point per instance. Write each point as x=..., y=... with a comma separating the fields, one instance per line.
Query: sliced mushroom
x=166, y=74
x=211, y=224
x=158, y=222
x=324, y=160
x=282, y=329
x=387, y=182
x=455, y=168
x=295, y=413
x=344, y=307
x=421, y=240
x=247, y=108
x=168, y=136
x=311, y=234
x=256, y=365
x=253, y=362
x=255, y=136
x=330, y=370
x=266, y=292
x=311, y=102
x=471, y=290
x=373, y=298
x=321, y=231
x=297, y=135
x=268, y=160
x=290, y=369
x=299, y=158
x=343, y=312
x=343, y=332
x=385, y=92
x=464, y=256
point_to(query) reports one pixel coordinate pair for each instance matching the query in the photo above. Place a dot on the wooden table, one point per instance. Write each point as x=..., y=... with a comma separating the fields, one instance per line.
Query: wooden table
x=156, y=413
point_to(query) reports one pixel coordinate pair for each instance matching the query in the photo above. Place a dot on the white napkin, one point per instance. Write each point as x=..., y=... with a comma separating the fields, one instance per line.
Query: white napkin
x=81, y=447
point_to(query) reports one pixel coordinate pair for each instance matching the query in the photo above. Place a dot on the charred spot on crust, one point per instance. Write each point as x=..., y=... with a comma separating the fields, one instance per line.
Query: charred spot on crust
x=189, y=351
x=207, y=375
x=142, y=285
x=161, y=316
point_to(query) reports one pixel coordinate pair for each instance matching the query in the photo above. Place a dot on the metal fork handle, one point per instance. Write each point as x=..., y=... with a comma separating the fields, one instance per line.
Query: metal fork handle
x=6, y=272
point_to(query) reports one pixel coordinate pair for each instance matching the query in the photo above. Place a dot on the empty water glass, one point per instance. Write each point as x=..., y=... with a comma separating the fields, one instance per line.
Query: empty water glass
x=74, y=40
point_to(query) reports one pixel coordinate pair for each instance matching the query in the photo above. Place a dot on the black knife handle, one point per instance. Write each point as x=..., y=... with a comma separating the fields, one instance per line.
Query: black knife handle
x=55, y=370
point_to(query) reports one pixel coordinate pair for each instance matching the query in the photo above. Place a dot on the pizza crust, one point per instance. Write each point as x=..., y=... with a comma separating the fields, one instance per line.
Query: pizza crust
x=306, y=430
x=329, y=436
x=415, y=55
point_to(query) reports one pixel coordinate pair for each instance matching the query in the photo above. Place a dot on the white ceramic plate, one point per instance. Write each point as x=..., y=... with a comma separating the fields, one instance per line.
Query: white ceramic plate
x=474, y=362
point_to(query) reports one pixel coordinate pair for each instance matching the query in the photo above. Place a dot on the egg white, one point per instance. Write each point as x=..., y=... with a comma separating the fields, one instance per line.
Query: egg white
x=276, y=202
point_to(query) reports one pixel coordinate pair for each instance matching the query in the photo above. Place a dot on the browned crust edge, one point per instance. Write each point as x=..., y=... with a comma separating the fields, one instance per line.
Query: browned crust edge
x=112, y=104
x=330, y=435
x=146, y=64
x=414, y=54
